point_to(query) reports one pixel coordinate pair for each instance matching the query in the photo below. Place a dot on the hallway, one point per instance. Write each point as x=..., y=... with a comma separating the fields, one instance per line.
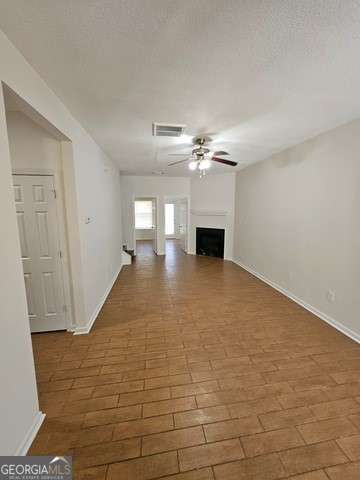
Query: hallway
x=195, y=365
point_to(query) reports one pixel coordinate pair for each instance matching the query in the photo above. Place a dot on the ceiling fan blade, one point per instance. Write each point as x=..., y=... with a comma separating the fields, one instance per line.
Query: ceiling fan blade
x=179, y=161
x=221, y=152
x=225, y=162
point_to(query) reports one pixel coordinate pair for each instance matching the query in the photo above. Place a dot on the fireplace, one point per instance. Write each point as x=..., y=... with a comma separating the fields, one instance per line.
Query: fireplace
x=210, y=242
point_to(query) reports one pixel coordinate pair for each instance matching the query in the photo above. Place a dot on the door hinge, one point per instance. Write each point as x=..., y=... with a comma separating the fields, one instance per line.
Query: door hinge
x=60, y=254
x=54, y=192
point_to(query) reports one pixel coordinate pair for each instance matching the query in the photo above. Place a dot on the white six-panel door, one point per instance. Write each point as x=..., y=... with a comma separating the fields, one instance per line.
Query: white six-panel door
x=39, y=240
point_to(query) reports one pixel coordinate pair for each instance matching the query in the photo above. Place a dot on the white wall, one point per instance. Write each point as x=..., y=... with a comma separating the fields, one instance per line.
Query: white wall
x=149, y=186
x=210, y=195
x=91, y=189
x=31, y=146
x=298, y=222
x=18, y=399
x=100, y=199
x=143, y=234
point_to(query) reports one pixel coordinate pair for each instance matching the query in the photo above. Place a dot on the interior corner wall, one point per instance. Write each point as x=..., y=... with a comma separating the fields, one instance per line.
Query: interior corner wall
x=92, y=190
x=297, y=224
x=133, y=186
x=31, y=146
x=212, y=206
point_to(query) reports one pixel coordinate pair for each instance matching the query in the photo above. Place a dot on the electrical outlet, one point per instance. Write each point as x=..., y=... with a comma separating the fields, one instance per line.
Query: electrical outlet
x=330, y=295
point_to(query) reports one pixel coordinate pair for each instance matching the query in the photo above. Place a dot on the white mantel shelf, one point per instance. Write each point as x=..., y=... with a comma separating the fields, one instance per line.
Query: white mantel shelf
x=207, y=213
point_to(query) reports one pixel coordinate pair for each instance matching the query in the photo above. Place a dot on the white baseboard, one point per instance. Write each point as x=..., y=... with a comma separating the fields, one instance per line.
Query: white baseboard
x=323, y=316
x=30, y=435
x=86, y=328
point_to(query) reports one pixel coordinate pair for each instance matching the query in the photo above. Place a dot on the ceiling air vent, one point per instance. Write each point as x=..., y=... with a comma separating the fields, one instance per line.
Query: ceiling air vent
x=166, y=130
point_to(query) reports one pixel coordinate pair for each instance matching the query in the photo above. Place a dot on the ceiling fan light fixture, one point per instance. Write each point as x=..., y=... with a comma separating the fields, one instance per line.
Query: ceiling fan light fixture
x=204, y=164
x=193, y=165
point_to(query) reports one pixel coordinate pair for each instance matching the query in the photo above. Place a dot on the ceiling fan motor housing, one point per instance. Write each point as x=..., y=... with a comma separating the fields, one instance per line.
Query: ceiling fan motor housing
x=200, y=151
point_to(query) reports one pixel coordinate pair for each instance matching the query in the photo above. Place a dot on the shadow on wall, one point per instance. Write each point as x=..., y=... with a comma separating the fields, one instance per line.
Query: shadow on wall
x=296, y=156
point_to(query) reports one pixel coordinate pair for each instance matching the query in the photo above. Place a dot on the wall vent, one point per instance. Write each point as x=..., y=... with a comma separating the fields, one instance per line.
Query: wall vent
x=167, y=130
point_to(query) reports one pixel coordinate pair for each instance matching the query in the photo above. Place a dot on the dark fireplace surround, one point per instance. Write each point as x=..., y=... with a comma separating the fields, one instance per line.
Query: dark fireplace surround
x=210, y=242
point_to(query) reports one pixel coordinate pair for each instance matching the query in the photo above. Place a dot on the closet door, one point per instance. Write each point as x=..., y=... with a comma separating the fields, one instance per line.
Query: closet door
x=35, y=202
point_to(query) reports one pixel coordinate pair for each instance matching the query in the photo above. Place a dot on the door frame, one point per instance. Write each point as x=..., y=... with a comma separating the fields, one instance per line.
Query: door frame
x=146, y=197
x=62, y=232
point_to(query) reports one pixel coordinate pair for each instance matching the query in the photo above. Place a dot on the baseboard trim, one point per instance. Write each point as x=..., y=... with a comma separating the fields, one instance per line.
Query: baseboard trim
x=30, y=435
x=323, y=316
x=86, y=328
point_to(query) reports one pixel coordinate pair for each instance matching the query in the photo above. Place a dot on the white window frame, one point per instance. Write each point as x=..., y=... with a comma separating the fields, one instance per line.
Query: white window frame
x=148, y=221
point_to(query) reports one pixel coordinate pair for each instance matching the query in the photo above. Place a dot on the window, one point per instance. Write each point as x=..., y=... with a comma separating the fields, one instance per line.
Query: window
x=143, y=214
x=169, y=219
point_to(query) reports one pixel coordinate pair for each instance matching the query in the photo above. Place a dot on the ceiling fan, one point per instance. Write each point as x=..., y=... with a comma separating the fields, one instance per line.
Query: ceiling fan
x=201, y=157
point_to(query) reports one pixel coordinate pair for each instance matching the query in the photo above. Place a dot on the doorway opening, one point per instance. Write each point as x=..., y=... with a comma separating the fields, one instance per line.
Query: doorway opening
x=169, y=220
x=176, y=223
x=145, y=213
x=36, y=156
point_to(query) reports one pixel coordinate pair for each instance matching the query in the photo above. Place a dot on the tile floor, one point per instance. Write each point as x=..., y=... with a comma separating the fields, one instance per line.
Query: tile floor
x=195, y=370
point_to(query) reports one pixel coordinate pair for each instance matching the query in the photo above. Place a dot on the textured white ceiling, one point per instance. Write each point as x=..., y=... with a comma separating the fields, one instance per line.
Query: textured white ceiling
x=258, y=75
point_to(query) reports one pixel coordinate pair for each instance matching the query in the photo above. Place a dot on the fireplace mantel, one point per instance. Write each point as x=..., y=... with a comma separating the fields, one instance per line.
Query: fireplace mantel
x=208, y=213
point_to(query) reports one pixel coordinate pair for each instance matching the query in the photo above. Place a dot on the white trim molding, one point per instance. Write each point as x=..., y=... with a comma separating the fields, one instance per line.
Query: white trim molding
x=206, y=213
x=323, y=316
x=30, y=435
x=82, y=330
